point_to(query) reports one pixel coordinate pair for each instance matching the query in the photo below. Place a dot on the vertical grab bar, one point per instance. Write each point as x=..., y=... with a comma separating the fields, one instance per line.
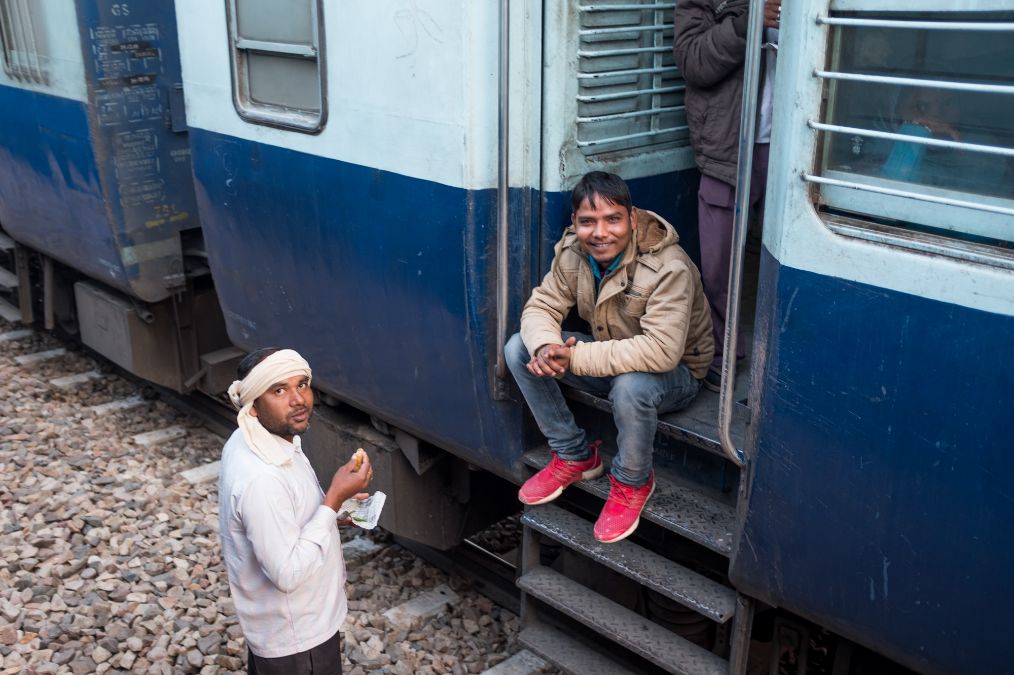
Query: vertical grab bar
x=502, y=196
x=744, y=170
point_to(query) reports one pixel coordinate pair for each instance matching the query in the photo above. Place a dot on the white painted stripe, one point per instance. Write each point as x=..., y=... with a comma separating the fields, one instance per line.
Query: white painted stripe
x=69, y=381
x=122, y=404
x=360, y=548
x=422, y=606
x=201, y=473
x=28, y=359
x=522, y=663
x=15, y=335
x=150, y=438
x=436, y=116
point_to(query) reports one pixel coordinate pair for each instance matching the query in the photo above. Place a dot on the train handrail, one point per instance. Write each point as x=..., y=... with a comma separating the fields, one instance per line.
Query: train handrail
x=503, y=197
x=744, y=170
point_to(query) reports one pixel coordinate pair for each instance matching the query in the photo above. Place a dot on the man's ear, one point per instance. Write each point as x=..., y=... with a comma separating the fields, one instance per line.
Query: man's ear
x=633, y=217
x=253, y=410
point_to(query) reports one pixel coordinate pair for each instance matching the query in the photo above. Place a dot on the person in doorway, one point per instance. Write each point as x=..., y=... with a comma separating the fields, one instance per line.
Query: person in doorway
x=709, y=44
x=278, y=528
x=651, y=343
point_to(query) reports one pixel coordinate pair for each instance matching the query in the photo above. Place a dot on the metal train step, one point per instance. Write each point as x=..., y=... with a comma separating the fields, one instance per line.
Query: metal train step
x=9, y=311
x=695, y=424
x=624, y=627
x=568, y=653
x=693, y=590
x=8, y=280
x=679, y=509
x=6, y=243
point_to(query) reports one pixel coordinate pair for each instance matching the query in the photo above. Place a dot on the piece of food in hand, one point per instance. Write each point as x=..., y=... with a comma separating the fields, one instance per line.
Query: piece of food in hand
x=358, y=458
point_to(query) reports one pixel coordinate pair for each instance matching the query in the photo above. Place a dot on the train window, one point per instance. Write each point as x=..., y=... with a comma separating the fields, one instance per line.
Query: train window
x=277, y=65
x=630, y=93
x=919, y=124
x=26, y=57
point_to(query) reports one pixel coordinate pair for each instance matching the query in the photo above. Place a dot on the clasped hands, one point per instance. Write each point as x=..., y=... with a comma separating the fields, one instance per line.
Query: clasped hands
x=552, y=360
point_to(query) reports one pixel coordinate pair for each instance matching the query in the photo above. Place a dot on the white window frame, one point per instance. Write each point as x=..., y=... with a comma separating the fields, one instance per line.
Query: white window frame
x=875, y=197
x=293, y=119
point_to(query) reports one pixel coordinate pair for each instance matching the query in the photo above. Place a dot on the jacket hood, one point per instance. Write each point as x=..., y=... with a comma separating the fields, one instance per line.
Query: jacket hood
x=652, y=233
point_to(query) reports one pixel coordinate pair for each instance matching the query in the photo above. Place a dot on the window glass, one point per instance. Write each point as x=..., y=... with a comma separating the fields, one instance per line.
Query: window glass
x=283, y=81
x=957, y=107
x=277, y=64
x=274, y=21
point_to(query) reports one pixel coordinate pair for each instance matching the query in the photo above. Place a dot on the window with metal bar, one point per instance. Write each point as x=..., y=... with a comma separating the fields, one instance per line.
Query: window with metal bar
x=26, y=56
x=918, y=126
x=278, y=73
x=630, y=93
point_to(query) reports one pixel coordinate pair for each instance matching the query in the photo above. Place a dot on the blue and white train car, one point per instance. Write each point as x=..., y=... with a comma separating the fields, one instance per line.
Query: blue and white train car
x=95, y=179
x=879, y=503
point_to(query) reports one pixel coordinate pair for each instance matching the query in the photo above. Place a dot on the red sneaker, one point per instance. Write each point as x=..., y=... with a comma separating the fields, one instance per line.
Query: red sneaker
x=549, y=483
x=622, y=513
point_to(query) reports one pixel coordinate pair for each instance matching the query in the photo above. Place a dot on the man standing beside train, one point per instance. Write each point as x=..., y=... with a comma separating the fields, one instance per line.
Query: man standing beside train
x=710, y=49
x=278, y=528
x=650, y=345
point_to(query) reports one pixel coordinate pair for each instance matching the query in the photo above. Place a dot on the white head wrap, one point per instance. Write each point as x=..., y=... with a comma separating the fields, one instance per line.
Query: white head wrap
x=277, y=367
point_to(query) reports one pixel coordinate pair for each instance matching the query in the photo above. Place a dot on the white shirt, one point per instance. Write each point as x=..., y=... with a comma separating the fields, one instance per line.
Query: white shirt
x=282, y=550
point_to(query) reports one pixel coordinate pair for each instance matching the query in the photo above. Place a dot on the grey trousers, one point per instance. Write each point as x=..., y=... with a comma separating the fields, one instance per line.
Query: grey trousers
x=324, y=659
x=715, y=208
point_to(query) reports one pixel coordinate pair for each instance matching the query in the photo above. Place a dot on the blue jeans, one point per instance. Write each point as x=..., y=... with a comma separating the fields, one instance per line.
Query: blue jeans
x=637, y=400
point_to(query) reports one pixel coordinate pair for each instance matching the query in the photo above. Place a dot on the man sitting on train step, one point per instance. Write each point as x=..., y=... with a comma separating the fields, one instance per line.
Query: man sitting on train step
x=650, y=346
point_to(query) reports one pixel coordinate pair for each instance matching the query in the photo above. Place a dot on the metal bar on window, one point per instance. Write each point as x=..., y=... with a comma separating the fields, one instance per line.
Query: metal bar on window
x=7, y=36
x=939, y=142
x=635, y=113
x=628, y=94
x=276, y=47
x=32, y=47
x=910, y=195
x=916, y=82
x=996, y=26
x=618, y=8
x=624, y=29
x=625, y=52
x=629, y=137
x=632, y=71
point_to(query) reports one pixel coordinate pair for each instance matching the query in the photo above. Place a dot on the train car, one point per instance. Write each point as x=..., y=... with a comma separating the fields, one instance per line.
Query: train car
x=381, y=186
x=96, y=185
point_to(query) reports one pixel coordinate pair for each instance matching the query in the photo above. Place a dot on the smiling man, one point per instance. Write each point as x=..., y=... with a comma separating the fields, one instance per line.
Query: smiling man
x=278, y=528
x=649, y=347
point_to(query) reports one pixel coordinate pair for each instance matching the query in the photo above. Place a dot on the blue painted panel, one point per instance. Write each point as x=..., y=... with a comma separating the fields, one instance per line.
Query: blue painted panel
x=384, y=282
x=881, y=502
x=50, y=192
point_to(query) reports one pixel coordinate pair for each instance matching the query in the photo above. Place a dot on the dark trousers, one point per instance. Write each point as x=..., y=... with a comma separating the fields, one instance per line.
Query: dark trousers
x=324, y=659
x=715, y=209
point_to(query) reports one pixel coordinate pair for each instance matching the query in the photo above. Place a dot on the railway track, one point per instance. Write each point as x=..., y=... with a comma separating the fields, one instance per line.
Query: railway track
x=108, y=551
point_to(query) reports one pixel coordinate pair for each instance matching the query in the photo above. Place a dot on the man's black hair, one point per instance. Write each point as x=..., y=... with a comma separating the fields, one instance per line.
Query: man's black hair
x=609, y=186
x=251, y=360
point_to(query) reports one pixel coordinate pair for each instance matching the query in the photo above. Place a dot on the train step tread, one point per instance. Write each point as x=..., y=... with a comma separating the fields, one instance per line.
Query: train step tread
x=693, y=590
x=6, y=243
x=568, y=653
x=679, y=509
x=696, y=424
x=629, y=629
x=9, y=312
x=8, y=280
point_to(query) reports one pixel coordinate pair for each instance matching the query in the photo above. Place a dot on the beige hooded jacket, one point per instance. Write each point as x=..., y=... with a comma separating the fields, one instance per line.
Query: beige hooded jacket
x=650, y=313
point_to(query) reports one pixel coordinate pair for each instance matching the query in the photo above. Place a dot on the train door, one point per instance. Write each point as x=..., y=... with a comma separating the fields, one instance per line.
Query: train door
x=612, y=100
x=883, y=380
